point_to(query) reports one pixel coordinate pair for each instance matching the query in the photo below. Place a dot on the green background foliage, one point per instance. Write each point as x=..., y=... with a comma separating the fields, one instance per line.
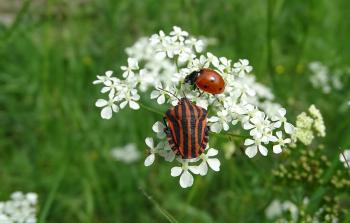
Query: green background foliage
x=53, y=141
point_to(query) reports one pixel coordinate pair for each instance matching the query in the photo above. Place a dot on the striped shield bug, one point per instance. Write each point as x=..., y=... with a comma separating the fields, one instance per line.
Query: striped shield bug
x=186, y=129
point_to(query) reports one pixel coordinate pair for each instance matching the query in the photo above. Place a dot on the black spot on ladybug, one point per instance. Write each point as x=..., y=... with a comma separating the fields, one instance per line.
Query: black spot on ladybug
x=220, y=89
x=205, y=86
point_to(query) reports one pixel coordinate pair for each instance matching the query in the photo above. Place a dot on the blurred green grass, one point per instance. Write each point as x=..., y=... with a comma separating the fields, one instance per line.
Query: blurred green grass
x=53, y=141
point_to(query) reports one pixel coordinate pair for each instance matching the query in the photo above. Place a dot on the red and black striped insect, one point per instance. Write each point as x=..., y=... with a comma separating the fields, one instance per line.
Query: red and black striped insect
x=207, y=80
x=186, y=129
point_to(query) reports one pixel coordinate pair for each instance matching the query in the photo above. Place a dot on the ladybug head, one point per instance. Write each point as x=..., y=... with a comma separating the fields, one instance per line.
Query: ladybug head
x=191, y=78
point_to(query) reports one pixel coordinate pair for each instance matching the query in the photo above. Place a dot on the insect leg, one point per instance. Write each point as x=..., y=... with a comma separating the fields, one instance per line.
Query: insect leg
x=165, y=122
x=200, y=93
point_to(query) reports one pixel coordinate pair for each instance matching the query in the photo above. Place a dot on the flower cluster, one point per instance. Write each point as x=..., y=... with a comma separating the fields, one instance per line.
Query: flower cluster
x=120, y=92
x=309, y=170
x=277, y=209
x=321, y=77
x=288, y=211
x=20, y=209
x=126, y=154
x=166, y=60
x=306, y=125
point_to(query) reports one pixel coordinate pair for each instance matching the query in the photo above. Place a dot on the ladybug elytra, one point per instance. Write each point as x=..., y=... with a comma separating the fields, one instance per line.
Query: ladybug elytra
x=207, y=80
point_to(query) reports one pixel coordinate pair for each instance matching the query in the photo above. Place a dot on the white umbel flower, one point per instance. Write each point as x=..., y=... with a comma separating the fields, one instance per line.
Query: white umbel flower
x=281, y=142
x=111, y=86
x=20, y=208
x=152, y=151
x=131, y=98
x=242, y=67
x=208, y=159
x=280, y=119
x=253, y=147
x=277, y=208
x=108, y=107
x=178, y=34
x=159, y=94
x=127, y=154
x=103, y=78
x=132, y=66
x=165, y=60
x=186, y=178
x=158, y=128
x=220, y=122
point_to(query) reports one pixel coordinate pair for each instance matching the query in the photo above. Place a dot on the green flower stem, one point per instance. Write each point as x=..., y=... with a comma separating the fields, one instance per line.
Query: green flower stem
x=150, y=109
x=223, y=134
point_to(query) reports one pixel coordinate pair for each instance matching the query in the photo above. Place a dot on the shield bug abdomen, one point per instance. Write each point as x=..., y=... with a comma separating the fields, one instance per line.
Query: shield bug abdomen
x=186, y=129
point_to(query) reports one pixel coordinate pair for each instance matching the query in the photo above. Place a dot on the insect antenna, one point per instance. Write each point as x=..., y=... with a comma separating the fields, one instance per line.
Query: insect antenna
x=172, y=94
x=184, y=94
x=216, y=99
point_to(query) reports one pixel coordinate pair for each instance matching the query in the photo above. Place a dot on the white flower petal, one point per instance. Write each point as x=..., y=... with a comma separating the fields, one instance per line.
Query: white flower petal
x=272, y=138
x=134, y=105
x=101, y=103
x=263, y=150
x=158, y=127
x=247, y=125
x=289, y=128
x=161, y=99
x=194, y=169
x=105, y=89
x=133, y=63
x=170, y=156
x=287, y=141
x=202, y=169
x=279, y=134
x=106, y=112
x=216, y=127
x=115, y=108
x=248, y=142
x=282, y=112
x=186, y=179
x=214, y=164
x=155, y=94
x=251, y=151
x=149, y=159
x=149, y=142
x=176, y=171
x=277, y=149
x=225, y=126
x=277, y=124
x=213, y=119
x=109, y=73
x=212, y=152
x=123, y=104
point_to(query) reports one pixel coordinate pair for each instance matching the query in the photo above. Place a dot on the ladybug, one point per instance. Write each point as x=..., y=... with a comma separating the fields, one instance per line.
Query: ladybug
x=186, y=129
x=207, y=80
